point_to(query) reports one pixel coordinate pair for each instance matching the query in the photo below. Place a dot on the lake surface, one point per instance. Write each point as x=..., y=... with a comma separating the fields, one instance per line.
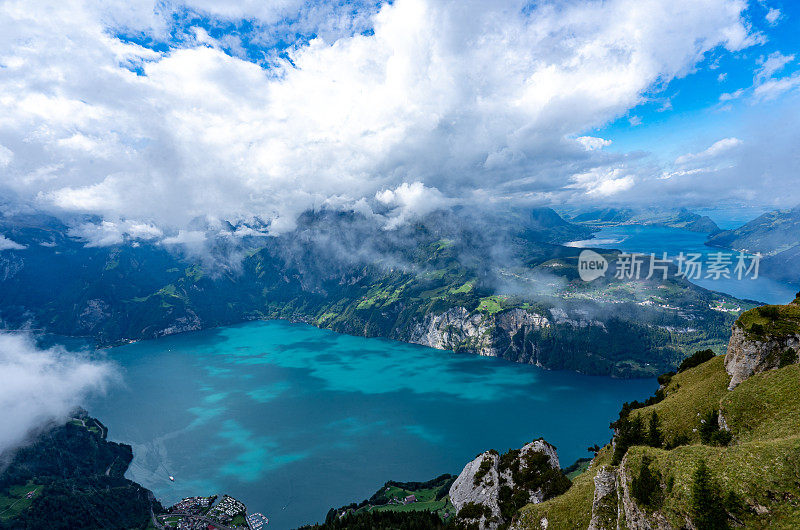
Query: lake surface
x=658, y=239
x=294, y=420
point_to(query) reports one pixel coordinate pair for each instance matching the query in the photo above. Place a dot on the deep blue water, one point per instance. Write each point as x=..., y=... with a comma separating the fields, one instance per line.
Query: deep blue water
x=294, y=420
x=658, y=239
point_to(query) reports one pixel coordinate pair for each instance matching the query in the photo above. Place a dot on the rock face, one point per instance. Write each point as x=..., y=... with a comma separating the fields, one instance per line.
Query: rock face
x=747, y=356
x=490, y=480
x=605, y=505
x=500, y=335
x=634, y=517
x=479, y=484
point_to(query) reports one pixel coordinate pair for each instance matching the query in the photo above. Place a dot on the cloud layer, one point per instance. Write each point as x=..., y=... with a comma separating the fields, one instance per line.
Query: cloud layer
x=38, y=386
x=441, y=101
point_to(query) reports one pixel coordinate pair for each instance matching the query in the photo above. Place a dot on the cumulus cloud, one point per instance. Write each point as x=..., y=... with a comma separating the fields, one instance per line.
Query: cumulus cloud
x=39, y=386
x=410, y=201
x=459, y=99
x=602, y=183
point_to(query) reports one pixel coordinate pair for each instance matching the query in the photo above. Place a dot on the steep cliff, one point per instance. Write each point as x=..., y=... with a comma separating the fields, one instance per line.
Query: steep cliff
x=492, y=488
x=492, y=335
x=763, y=339
x=605, y=503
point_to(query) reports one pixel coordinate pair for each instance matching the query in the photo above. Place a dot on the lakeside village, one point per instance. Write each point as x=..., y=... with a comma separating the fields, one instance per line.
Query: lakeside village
x=204, y=513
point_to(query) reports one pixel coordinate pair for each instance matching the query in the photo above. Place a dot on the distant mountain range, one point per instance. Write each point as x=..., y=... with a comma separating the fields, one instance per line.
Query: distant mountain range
x=501, y=286
x=680, y=218
x=776, y=235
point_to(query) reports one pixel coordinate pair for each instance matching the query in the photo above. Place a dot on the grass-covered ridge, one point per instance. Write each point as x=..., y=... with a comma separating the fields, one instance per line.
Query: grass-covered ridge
x=773, y=321
x=752, y=474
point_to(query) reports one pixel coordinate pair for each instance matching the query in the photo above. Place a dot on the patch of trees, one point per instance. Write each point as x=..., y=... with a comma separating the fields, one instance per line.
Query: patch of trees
x=646, y=486
x=630, y=432
x=70, y=461
x=580, y=462
x=788, y=357
x=483, y=470
x=696, y=359
x=529, y=472
x=383, y=520
x=710, y=431
x=95, y=502
x=709, y=509
x=64, y=452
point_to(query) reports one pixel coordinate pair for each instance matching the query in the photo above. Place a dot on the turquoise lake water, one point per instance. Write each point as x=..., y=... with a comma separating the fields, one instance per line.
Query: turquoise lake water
x=658, y=239
x=293, y=420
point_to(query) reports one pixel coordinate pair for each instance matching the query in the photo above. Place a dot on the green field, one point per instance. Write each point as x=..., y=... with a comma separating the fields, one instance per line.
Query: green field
x=426, y=500
x=16, y=501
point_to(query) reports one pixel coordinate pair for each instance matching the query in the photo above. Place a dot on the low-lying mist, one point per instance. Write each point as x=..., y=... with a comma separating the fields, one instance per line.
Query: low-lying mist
x=40, y=386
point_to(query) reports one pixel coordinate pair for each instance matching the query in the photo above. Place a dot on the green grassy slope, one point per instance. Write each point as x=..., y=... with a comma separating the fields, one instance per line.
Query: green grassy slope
x=757, y=474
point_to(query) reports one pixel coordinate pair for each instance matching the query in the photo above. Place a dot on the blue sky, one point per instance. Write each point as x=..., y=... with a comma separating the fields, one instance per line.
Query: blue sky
x=695, y=113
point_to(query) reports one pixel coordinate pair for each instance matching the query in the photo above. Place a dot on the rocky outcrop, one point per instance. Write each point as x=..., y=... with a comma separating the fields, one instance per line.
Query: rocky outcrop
x=498, y=335
x=747, y=355
x=605, y=505
x=478, y=485
x=478, y=492
x=456, y=329
x=631, y=515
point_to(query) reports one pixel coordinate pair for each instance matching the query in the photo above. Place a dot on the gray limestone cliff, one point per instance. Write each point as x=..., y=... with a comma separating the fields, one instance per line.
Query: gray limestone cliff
x=494, y=335
x=486, y=483
x=631, y=515
x=748, y=355
x=605, y=503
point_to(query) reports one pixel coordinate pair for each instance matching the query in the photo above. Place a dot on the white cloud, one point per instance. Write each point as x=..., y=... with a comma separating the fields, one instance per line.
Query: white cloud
x=772, y=64
x=38, y=386
x=410, y=201
x=773, y=15
x=713, y=151
x=772, y=88
x=467, y=98
x=7, y=244
x=722, y=77
x=603, y=182
x=186, y=237
x=729, y=96
x=768, y=83
x=108, y=233
x=592, y=143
